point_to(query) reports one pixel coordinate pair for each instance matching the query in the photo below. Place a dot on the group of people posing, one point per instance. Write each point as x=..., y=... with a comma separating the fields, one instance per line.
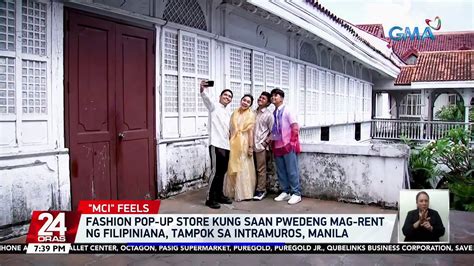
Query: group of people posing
x=241, y=143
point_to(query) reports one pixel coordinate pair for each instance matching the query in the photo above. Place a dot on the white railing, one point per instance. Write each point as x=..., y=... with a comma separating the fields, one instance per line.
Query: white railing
x=414, y=130
x=310, y=135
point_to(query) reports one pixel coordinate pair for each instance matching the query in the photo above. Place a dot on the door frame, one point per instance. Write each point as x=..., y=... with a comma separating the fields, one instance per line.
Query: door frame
x=128, y=22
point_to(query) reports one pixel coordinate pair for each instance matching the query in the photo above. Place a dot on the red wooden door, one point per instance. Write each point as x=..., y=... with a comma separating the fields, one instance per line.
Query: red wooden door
x=135, y=119
x=110, y=112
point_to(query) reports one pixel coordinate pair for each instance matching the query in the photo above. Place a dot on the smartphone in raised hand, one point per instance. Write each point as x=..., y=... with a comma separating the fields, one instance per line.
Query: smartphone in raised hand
x=209, y=83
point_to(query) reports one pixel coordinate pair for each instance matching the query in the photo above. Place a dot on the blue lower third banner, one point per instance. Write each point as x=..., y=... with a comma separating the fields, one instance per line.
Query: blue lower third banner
x=237, y=248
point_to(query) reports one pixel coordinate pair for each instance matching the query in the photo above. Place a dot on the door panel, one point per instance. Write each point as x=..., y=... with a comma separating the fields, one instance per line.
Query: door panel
x=134, y=168
x=91, y=107
x=94, y=171
x=92, y=85
x=109, y=72
x=135, y=71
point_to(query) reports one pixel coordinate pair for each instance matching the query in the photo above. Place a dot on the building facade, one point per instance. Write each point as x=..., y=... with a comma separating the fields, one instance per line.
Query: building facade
x=99, y=99
x=449, y=83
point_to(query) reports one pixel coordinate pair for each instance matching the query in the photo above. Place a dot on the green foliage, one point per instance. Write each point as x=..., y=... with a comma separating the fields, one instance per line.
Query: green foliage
x=408, y=142
x=422, y=168
x=454, y=152
x=454, y=113
x=463, y=195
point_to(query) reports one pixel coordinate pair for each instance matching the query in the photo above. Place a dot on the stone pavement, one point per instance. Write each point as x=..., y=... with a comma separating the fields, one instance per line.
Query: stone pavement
x=461, y=226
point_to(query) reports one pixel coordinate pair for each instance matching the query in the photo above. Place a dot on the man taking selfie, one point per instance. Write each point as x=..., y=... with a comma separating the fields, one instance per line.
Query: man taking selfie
x=219, y=120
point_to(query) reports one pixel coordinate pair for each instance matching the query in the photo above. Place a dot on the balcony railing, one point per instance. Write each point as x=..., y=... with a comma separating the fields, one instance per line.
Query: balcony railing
x=414, y=130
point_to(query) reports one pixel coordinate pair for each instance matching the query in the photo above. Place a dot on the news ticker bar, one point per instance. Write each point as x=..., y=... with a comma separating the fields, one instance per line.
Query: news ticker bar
x=235, y=248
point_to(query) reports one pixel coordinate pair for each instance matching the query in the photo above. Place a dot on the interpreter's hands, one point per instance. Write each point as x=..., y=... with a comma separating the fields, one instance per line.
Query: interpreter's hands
x=422, y=218
x=427, y=224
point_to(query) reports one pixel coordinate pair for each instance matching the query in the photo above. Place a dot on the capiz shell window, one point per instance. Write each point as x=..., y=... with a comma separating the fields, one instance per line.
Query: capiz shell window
x=25, y=117
x=185, y=63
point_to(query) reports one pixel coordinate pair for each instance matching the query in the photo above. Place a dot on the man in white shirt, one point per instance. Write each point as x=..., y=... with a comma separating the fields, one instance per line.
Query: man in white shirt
x=219, y=121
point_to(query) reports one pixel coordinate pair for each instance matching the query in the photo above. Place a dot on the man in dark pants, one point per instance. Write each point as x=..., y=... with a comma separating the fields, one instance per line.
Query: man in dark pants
x=219, y=120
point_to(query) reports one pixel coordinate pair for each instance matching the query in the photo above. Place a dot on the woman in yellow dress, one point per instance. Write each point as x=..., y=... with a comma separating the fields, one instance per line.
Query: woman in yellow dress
x=241, y=176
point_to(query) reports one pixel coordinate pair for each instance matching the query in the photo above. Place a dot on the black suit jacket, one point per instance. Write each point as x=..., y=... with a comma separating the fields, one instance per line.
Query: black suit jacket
x=421, y=233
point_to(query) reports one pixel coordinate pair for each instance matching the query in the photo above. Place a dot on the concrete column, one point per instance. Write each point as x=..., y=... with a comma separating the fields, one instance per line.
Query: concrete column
x=295, y=44
x=467, y=95
x=430, y=97
x=374, y=104
x=398, y=96
x=427, y=111
x=330, y=53
x=344, y=70
x=466, y=113
x=397, y=105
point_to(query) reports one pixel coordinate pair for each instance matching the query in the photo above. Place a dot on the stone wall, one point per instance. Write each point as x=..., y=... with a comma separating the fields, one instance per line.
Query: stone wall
x=364, y=172
x=183, y=166
x=31, y=183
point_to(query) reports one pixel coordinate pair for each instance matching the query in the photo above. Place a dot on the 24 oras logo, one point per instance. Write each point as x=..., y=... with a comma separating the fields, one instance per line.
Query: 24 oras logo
x=53, y=227
x=397, y=33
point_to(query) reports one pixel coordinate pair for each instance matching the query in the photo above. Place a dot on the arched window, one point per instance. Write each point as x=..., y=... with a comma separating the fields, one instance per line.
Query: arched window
x=308, y=54
x=365, y=74
x=337, y=64
x=185, y=12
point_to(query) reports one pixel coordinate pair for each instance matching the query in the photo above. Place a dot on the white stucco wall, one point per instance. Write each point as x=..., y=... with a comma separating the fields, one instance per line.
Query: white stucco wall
x=34, y=163
x=35, y=182
x=366, y=173
x=341, y=133
x=252, y=31
x=183, y=166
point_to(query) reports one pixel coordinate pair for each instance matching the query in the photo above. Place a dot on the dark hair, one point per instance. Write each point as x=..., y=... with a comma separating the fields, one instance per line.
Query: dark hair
x=279, y=92
x=248, y=95
x=422, y=192
x=268, y=95
x=231, y=93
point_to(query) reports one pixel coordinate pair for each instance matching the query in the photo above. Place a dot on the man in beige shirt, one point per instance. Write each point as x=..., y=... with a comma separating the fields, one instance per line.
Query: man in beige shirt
x=262, y=139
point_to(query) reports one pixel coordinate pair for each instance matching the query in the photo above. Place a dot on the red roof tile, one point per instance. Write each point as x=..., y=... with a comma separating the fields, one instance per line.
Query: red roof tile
x=405, y=75
x=439, y=66
x=443, y=42
x=374, y=29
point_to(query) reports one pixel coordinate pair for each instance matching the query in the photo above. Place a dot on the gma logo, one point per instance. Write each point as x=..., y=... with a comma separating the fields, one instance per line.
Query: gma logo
x=397, y=34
